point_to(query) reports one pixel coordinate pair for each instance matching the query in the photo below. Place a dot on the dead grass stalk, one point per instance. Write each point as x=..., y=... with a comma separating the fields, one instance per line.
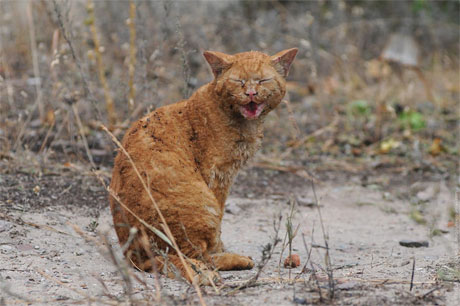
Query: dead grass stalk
x=181, y=45
x=67, y=37
x=100, y=64
x=82, y=135
x=132, y=53
x=163, y=220
x=327, y=257
x=36, y=69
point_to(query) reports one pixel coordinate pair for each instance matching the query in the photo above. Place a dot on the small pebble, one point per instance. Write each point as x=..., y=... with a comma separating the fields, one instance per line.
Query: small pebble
x=5, y=226
x=347, y=285
x=300, y=301
x=6, y=247
x=292, y=262
x=413, y=244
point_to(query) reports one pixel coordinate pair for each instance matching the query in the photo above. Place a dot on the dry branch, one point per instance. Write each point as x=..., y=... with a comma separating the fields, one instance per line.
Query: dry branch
x=160, y=214
x=33, y=47
x=100, y=64
x=132, y=53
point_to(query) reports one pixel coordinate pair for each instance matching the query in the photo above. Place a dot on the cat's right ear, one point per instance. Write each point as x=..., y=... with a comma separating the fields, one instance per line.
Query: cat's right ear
x=282, y=60
x=218, y=61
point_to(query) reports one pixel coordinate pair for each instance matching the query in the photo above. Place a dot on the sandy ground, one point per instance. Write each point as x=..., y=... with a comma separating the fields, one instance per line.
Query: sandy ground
x=45, y=260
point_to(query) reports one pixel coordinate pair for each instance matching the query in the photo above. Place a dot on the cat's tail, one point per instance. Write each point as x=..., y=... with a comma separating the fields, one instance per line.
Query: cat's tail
x=171, y=266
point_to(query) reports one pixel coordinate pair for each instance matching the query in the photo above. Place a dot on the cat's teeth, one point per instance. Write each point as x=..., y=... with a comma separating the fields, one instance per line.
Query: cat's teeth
x=252, y=110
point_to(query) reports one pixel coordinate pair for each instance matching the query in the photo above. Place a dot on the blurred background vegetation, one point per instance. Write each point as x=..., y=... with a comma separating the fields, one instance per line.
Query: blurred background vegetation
x=375, y=85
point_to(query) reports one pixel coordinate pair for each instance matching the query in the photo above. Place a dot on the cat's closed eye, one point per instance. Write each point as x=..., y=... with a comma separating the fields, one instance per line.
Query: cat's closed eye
x=264, y=80
x=242, y=82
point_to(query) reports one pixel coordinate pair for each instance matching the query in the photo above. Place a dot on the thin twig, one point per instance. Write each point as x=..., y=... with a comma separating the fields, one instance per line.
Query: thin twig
x=330, y=271
x=6, y=67
x=316, y=281
x=292, y=120
x=68, y=40
x=181, y=45
x=431, y=291
x=412, y=275
x=38, y=89
x=82, y=134
x=274, y=165
x=82, y=293
x=132, y=53
x=308, y=252
x=33, y=47
x=160, y=214
x=20, y=221
x=5, y=287
x=100, y=64
x=331, y=126
x=48, y=133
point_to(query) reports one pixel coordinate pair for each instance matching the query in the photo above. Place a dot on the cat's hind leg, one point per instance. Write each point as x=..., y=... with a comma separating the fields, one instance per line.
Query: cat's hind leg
x=141, y=257
x=172, y=267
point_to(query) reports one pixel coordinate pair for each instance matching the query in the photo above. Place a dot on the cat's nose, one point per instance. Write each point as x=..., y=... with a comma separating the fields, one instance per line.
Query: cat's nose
x=251, y=92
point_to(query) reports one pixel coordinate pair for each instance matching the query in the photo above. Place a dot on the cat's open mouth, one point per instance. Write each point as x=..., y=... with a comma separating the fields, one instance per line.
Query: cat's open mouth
x=252, y=110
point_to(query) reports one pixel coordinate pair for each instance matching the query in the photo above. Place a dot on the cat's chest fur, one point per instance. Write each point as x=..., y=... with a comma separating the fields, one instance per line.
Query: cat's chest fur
x=224, y=166
x=221, y=147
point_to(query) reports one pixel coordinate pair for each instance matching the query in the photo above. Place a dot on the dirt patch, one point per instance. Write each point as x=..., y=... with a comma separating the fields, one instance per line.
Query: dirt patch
x=44, y=260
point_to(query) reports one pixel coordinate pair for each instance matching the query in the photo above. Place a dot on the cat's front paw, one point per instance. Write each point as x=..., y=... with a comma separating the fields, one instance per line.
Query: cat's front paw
x=244, y=263
x=231, y=261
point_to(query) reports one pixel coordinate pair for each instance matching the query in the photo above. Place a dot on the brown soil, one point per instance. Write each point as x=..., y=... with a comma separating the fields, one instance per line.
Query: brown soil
x=44, y=260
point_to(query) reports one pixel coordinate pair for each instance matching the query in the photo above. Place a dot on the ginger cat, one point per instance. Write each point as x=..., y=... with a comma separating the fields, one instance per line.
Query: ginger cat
x=188, y=153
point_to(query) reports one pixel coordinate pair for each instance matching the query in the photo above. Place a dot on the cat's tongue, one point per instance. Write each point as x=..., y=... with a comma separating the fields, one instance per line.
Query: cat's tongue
x=252, y=110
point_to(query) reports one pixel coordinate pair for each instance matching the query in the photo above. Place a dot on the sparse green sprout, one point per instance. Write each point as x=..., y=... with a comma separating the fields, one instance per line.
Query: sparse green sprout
x=388, y=209
x=359, y=108
x=412, y=120
x=89, y=21
x=449, y=273
x=92, y=226
x=452, y=213
x=417, y=216
x=435, y=232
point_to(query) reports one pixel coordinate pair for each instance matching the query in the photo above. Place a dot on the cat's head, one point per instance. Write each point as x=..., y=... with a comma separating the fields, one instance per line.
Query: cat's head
x=250, y=84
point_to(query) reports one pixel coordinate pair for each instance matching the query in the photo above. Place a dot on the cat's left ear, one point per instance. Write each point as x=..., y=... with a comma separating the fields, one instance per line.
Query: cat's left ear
x=218, y=61
x=282, y=60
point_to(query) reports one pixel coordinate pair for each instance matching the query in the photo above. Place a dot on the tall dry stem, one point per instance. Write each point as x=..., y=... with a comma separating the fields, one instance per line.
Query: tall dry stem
x=327, y=257
x=67, y=35
x=82, y=135
x=100, y=64
x=132, y=53
x=166, y=228
x=7, y=77
x=35, y=66
x=181, y=45
x=291, y=118
x=38, y=87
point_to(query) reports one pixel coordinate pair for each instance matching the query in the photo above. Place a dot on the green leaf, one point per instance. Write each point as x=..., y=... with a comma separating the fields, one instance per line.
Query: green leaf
x=419, y=5
x=417, y=216
x=359, y=107
x=416, y=121
x=413, y=120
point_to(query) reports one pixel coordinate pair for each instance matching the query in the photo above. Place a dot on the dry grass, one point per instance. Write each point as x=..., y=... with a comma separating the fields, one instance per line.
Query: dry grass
x=349, y=110
x=169, y=238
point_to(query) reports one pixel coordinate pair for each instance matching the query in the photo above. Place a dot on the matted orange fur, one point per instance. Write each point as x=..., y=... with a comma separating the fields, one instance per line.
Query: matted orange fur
x=189, y=153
